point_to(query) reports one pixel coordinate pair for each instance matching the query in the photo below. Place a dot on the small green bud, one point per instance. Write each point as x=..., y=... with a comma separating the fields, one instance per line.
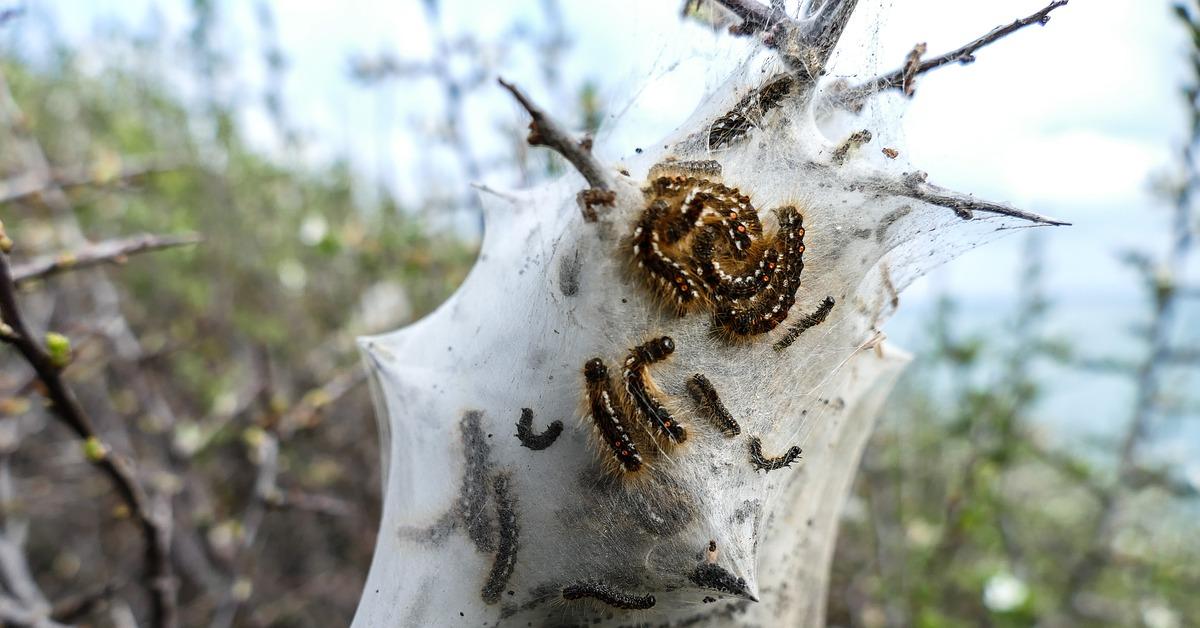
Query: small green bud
x=94, y=449
x=59, y=347
x=6, y=243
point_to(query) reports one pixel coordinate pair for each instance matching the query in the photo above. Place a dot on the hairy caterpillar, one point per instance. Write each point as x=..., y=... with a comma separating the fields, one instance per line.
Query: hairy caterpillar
x=607, y=594
x=751, y=317
x=706, y=398
x=748, y=112
x=506, y=550
x=816, y=318
x=672, y=279
x=691, y=202
x=536, y=441
x=759, y=268
x=711, y=576
x=608, y=417
x=644, y=396
x=771, y=464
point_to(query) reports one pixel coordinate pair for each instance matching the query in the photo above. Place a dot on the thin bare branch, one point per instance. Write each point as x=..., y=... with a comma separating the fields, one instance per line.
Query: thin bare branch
x=756, y=17
x=544, y=131
x=964, y=206
x=115, y=251
x=306, y=413
x=1184, y=356
x=30, y=184
x=75, y=608
x=159, y=580
x=903, y=78
x=805, y=45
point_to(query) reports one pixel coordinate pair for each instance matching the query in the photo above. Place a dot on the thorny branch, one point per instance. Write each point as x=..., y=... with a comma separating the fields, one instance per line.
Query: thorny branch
x=159, y=580
x=904, y=77
x=114, y=251
x=544, y=131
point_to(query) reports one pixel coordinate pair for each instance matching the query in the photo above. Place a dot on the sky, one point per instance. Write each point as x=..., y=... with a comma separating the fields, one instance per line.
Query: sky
x=1072, y=120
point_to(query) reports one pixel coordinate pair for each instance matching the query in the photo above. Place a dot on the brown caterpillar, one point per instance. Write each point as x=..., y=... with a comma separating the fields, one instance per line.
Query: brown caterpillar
x=672, y=167
x=751, y=317
x=529, y=439
x=747, y=113
x=812, y=320
x=506, y=550
x=771, y=464
x=691, y=202
x=607, y=594
x=706, y=398
x=643, y=395
x=678, y=284
x=608, y=417
x=759, y=269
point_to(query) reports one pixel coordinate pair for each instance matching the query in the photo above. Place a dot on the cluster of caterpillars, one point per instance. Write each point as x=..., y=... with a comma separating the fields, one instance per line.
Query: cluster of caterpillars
x=613, y=410
x=621, y=414
x=699, y=244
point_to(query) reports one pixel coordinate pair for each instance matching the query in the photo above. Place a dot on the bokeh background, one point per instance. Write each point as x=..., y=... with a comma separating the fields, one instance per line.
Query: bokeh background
x=1037, y=466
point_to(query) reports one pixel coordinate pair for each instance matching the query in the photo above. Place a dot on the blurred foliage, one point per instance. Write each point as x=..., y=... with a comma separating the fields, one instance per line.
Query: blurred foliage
x=237, y=337
x=965, y=514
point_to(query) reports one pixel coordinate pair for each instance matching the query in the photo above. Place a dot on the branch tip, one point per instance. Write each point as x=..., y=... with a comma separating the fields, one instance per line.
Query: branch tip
x=544, y=131
x=903, y=79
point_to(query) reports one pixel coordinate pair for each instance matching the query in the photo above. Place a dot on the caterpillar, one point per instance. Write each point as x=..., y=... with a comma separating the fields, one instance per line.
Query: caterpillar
x=531, y=440
x=473, y=495
x=608, y=417
x=811, y=320
x=643, y=395
x=506, y=550
x=706, y=398
x=760, y=268
x=742, y=319
x=690, y=202
x=711, y=576
x=669, y=276
x=771, y=464
x=607, y=594
x=748, y=112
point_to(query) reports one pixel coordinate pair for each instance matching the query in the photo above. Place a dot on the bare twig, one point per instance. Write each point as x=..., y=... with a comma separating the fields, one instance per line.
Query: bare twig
x=267, y=494
x=159, y=580
x=903, y=78
x=24, y=596
x=1185, y=356
x=305, y=414
x=75, y=608
x=31, y=184
x=916, y=187
x=107, y=252
x=544, y=131
x=756, y=17
x=805, y=45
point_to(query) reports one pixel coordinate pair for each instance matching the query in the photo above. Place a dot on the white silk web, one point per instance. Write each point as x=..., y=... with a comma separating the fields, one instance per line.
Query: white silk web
x=481, y=528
